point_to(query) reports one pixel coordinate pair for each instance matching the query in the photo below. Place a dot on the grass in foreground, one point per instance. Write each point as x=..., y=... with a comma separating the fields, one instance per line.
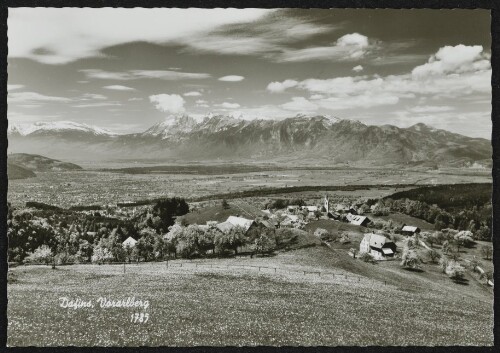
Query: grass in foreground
x=237, y=307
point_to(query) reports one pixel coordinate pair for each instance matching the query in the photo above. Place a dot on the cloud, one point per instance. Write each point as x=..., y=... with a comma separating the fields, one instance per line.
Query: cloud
x=458, y=59
x=357, y=68
x=92, y=96
x=119, y=88
x=453, y=78
x=431, y=109
x=227, y=105
x=267, y=36
x=133, y=99
x=192, y=94
x=14, y=87
x=171, y=103
x=278, y=87
x=35, y=33
x=27, y=97
x=96, y=105
x=300, y=104
x=348, y=47
x=232, y=78
x=142, y=74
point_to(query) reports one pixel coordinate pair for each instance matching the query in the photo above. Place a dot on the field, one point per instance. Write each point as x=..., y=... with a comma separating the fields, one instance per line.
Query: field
x=95, y=186
x=228, y=305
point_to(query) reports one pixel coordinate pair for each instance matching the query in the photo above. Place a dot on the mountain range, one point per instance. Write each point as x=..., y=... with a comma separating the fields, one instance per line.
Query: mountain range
x=317, y=139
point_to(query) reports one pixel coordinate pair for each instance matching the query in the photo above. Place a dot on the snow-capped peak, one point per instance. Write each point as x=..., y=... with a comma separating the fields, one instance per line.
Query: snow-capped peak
x=27, y=129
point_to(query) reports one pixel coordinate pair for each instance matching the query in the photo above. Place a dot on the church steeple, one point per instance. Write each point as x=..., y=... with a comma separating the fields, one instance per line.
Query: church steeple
x=326, y=204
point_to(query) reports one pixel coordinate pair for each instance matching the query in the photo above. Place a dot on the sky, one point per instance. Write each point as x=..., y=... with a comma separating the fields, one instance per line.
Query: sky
x=127, y=69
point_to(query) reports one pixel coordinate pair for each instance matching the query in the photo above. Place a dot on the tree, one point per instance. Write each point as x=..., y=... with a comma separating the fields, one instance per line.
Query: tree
x=206, y=239
x=167, y=210
x=230, y=240
x=101, y=254
x=445, y=247
x=410, y=259
x=41, y=255
x=433, y=255
x=317, y=214
x=145, y=246
x=455, y=271
x=462, y=238
x=172, y=238
x=487, y=252
x=85, y=251
x=265, y=243
x=225, y=204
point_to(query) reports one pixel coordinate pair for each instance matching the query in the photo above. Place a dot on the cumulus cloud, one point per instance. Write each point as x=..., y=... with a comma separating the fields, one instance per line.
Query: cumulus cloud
x=192, y=94
x=96, y=105
x=232, y=78
x=458, y=59
x=171, y=103
x=119, y=88
x=357, y=68
x=444, y=76
x=227, y=105
x=168, y=75
x=300, y=104
x=278, y=87
x=348, y=47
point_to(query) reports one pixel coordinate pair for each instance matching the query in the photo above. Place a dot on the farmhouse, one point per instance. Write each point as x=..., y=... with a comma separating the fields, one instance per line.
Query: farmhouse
x=244, y=223
x=129, y=242
x=292, y=208
x=310, y=209
x=379, y=246
x=410, y=230
x=357, y=220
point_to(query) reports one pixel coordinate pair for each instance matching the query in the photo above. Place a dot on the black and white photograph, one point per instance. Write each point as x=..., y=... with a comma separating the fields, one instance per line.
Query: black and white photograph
x=217, y=177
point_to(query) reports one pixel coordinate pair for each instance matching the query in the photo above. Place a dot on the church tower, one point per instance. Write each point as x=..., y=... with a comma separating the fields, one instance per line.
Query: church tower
x=326, y=203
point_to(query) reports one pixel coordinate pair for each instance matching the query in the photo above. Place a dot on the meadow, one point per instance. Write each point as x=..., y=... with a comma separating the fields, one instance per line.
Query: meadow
x=216, y=303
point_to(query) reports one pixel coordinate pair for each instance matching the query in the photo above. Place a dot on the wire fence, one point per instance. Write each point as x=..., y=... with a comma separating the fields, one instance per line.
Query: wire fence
x=333, y=277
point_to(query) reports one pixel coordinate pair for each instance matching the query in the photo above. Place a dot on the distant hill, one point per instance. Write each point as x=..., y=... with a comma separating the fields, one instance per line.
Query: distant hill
x=313, y=139
x=15, y=171
x=37, y=163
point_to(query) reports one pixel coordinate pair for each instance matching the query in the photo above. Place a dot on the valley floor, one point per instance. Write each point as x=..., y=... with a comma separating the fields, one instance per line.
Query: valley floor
x=306, y=297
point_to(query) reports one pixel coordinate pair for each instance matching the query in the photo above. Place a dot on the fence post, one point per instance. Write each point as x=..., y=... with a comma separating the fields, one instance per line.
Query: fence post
x=275, y=270
x=124, y=267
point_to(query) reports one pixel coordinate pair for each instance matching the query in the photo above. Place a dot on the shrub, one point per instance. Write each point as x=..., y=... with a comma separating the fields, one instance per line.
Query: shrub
x=323, y=234
x=366, y=257
x=455, y=271
x=488, y=276
x=344, y=238
x=64, y=258
x=487, y=252
x=41, y=255
x=101, y=255
x=433, y=255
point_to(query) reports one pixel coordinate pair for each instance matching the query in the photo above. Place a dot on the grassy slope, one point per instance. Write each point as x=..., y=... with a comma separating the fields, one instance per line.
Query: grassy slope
x=242, y=307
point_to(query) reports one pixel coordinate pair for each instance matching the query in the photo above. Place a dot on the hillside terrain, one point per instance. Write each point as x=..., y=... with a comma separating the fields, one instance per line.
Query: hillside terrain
x=15, y=171
x=316, y=139
x=37, y=163
x=244, y=301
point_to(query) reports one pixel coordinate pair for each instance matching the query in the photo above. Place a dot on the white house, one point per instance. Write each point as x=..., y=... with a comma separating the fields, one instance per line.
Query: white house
x=379, y=246
x=130, y=242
